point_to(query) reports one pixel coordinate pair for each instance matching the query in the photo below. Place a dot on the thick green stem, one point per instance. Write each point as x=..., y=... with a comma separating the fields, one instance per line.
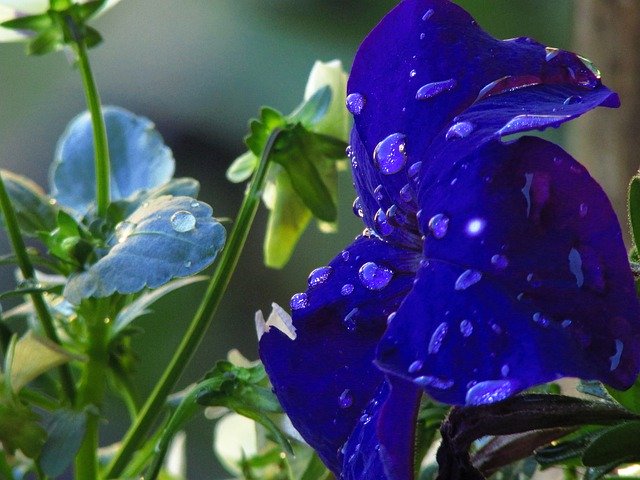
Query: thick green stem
x=100, y=144
x=202, y=319
x=29, y=274
x=92, y=390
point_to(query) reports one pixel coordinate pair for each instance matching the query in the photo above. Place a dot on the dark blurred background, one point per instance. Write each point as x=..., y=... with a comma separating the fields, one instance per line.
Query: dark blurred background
x=200, y=69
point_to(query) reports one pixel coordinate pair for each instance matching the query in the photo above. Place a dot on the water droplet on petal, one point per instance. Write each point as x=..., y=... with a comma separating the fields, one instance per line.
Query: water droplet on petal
x=467, y=279
x=504, y=371
x=187, y=264
x=123, y=230
x=374, y=276
x=575, y=266
x=437, y=338
x=414, y=169
x=299, y=301
x=345, y=400
x=183, y=221
x=459, y=130
x=508, y=84
x=346, y=289
x=319, y=276
x=390, y=155
x=541, y=320
x=615, y=358
x=433, y=382
x=566, y=323
x=350, y=320
x=500, y=261
x=357, y=208
x=383, y=227
x=466, y=328
x=551, y=53
x=438, y=225
x=583, y=209
x=433, y=89
x=415, y=366
x=345, y=255
x=525, y=122
x=355, y=103
x=490, y=391
x=406, y=194
x=475, y=227
x=378, y=193
x=413, y=73
x=428, y=14
x=573, y=99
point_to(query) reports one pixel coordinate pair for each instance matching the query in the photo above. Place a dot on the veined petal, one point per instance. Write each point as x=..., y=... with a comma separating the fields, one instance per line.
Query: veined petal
x=382, y=443
x=325, y=378
x=427, y=63
x=529, y=283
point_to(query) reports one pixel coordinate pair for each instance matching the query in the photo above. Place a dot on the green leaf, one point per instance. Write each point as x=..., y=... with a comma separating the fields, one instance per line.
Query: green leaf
x=298, y=151
x=242, y=167
x=568, y=451
x=316, y=470
x=260, y=129
x=618, y=444
x=33, y=210
x=47, y=41
x=630, y=399
x=139, y=307
x=634, y=209
x=65, y=430
x=20, y=428
x=311, y=111
x=595, y=389
x=35, y=23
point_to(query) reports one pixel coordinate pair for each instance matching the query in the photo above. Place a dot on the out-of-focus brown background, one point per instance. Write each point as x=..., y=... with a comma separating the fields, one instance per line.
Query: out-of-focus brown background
x=201, y=68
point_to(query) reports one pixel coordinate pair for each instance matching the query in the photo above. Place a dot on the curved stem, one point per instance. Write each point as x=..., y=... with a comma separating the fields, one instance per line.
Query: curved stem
x=29, y=274
x=202, y=319
x=100, y=144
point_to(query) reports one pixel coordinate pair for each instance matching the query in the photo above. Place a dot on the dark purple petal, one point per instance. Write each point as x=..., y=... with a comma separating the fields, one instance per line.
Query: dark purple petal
x=326, y=377
x=529, y=282
x=427, y=63
x=382, y=443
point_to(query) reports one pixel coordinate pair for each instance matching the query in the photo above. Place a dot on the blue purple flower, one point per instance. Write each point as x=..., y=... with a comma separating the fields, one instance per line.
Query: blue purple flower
x=487, y=265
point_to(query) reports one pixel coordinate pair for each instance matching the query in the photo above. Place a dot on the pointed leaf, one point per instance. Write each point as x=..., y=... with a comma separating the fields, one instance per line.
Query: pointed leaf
x=65, y=430
x=33, y=209
x=139, y=159
x=242, y=167
x=311, y=111
x=167, y=238
x=36, y=23
x=618, y=444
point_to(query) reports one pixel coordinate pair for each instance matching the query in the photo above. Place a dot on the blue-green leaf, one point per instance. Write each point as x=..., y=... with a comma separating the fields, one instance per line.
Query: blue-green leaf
x=65, y=430
x=33, y=210
x=167, y=238
x=139, y=159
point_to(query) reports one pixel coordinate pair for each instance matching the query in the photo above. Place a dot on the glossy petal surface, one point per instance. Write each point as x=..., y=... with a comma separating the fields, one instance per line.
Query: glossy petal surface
x=529, y=284
x=325, y=377
x=428, y=62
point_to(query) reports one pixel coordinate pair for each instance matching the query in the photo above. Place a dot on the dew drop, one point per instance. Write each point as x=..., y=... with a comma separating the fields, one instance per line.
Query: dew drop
x=299, y=301
x=583, y=209
x=415, y=366
x=357, y=208
x=355, y=103
x=551, y=53
x=406, y=194
x=374, y=276
x=345, y=255
x=428, y=14
x=319, y=276
x=433, y=89
x=195, y=204
x=123, y=230
x=378, y=193
x=438, y=225
x=437, y=338
x=500, y=261
x=346, y=289
x=383, y=227
x=475, y=227
x=183, y=221
x=423, y=36
x=413, y=73
x=467, y=279
x=433, y=382
x=346, y=399
x=573, y=99
x=504, y=371
x=459, y=130
x=508, y=84
x=390, y=155
x=466, y=328
x=540, y=319
x=414, y=169
x=349, y=321
x=187, y=264
x=566, y=323
x=615, y=358
x=575, y=266
x=520, y=123
x=490, y=391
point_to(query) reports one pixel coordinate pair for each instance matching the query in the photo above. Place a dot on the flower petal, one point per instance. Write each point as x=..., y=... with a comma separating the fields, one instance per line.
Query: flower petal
x=427, y=62
x=326, y=377
x=528, y=282
x=382, y=444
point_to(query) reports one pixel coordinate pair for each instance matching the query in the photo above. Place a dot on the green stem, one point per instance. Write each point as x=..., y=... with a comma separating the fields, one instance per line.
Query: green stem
x=202, y=319
x=5, y=469
x=100, y=144
x=92, y=392
x=29, y=274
